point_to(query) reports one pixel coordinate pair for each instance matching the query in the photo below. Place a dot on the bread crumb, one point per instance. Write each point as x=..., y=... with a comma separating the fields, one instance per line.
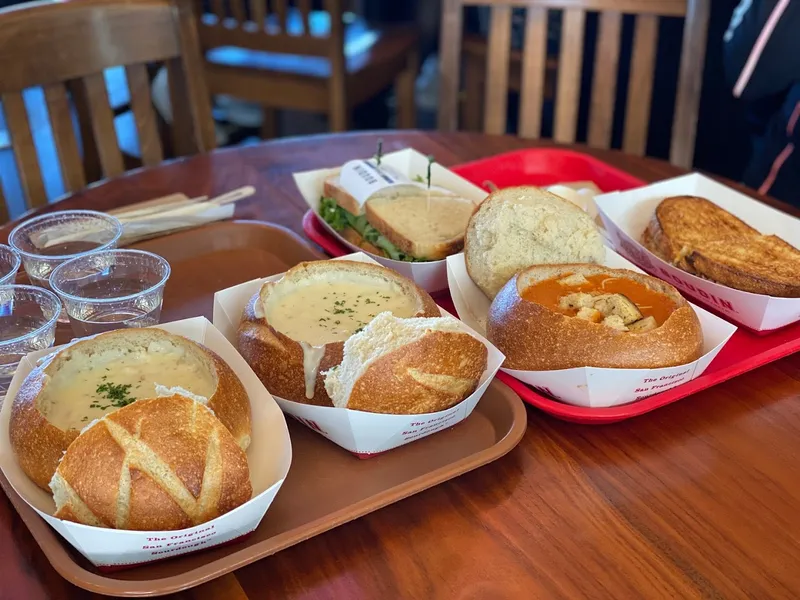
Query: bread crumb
x=590, y=314
x=615, y=322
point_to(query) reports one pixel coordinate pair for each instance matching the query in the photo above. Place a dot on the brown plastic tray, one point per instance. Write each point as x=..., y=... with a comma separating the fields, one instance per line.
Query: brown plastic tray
x=326, y=486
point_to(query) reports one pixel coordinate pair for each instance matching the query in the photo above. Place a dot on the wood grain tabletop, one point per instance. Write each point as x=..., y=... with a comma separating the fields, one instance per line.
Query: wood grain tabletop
x=700, y=499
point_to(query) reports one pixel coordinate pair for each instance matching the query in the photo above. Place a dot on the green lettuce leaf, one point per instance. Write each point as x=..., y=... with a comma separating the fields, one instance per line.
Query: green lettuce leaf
x=339, y=219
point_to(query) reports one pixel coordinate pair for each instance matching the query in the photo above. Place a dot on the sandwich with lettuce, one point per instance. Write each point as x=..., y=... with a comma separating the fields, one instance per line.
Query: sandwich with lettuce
x=407, y=223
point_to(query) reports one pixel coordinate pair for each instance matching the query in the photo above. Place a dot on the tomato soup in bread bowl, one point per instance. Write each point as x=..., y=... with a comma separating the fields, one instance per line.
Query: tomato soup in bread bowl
x=550, y=317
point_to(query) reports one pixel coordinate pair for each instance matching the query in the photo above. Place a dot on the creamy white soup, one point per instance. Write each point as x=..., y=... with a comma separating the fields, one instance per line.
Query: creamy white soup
x=320, y=312
x=86, y=389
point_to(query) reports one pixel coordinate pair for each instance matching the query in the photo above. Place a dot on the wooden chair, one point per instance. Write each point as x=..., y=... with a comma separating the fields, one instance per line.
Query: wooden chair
x=292, y=57
x=567, y=96
x=64, y=48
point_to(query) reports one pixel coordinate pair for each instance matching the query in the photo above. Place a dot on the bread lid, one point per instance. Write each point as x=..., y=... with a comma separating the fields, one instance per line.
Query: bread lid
x=407, y=366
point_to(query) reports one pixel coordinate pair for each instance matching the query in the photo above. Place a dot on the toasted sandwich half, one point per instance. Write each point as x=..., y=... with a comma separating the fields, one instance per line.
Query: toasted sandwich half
x=701, y=238
x=406, y=223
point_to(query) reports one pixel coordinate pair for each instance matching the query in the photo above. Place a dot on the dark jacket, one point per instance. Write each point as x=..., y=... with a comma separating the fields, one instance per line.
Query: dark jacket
x=762, y=65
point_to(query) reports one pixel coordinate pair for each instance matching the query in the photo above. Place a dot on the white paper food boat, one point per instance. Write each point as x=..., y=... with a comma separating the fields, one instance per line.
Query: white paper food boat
x=591, y=386
x=359, y=432
x=431, y=276
x=626, y=215
x=269, y=457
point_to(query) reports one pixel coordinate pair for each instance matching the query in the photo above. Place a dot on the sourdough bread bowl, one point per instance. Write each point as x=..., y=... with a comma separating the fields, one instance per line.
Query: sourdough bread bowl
x=294, y=329
x=518, y=227
x=96, y=376
x=407, y=366
x=157, y=464
x=551, y=317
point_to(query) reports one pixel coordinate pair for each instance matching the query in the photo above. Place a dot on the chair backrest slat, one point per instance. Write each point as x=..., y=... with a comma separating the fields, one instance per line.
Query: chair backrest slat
x=304, y=6
x=690, y=81
x=258, y=13
x=450, y=63
x=237, y=10
x=144, y=115
x=640, y=84
x=218, y=8
x=103, y=125
x=533, y=63
x=497, y=71
x=93, y=36
x=24, y=148
x=280, y=10
x=61, y=122
x=3, y=208
x=568, y=86
x=534, y=55
x=604, y=87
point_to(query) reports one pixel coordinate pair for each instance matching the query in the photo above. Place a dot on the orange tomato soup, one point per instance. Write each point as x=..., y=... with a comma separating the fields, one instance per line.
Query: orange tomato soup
x=649, y=302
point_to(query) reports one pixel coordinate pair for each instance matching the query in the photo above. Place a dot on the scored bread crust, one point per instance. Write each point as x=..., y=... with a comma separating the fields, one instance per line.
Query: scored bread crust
x=277, y=359
x=433, y=373
x=39, y=445
x=157, y=464
x=536, y=338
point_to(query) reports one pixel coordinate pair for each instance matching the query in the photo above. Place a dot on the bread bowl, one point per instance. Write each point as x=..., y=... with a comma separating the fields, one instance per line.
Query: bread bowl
x=551, y=317
x=294, y=329
x=157, y=464
x=99, y=375
x=407, y=366
x=518, y=227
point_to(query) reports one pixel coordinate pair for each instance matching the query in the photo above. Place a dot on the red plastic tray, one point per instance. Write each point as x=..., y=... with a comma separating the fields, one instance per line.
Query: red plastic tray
x=744, y=352
x=546, y=166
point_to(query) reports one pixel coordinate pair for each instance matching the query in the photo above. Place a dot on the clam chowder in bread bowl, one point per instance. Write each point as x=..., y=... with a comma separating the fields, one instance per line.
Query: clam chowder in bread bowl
x=294, y=329
x=96, y=376
x=550, y=317
x=407, y=366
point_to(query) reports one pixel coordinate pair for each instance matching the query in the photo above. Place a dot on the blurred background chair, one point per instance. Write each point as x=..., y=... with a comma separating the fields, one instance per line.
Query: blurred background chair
x=283, y=55
x=603, y=89
x=60, y=52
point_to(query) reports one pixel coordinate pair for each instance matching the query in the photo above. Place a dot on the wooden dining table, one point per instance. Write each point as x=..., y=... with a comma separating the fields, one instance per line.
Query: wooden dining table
x=699, y=499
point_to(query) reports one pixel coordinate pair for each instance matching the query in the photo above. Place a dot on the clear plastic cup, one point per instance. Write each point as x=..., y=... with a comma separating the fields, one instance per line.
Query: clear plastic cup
x=46, y=241
x=111, y=290
x=28, y=317
x=9, y=264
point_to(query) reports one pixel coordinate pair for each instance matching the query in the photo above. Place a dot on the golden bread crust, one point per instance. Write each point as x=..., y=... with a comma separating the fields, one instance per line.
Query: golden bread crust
x=428, y=375
x=157, y=464
x=39, y=445
x=536, y=338
x=703, y=239
x=277, y=360
x=438, y=251
x=355, y=238
x=331, y=189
